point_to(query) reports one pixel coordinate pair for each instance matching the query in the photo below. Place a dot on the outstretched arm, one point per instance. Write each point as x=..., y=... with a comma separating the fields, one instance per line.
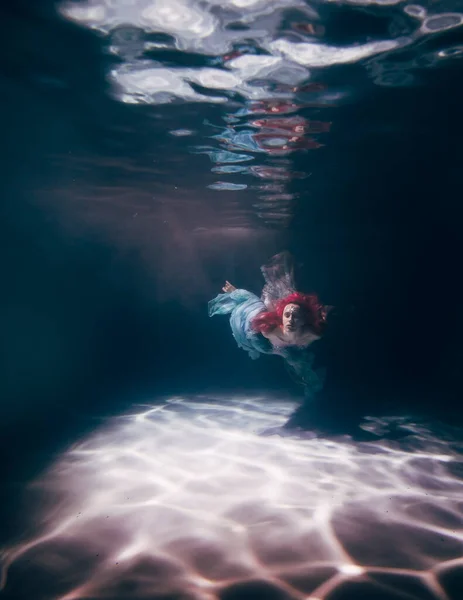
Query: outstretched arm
x=242, y=306
x=228, y=287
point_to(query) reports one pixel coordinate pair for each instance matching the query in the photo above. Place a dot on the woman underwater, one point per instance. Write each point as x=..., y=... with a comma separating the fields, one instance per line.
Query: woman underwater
x=282, y=322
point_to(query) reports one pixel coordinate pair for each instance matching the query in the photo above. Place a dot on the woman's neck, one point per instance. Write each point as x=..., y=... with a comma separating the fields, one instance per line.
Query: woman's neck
x=299, y=337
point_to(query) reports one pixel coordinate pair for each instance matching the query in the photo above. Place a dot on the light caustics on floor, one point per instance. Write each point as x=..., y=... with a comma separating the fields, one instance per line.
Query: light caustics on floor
x=204, y=498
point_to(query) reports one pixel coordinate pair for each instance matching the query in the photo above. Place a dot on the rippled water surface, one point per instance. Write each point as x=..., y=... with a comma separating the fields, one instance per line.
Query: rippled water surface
x=231, y=93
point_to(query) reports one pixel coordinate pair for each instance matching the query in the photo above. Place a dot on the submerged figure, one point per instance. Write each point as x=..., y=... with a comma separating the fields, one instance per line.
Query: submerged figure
x=283, y=321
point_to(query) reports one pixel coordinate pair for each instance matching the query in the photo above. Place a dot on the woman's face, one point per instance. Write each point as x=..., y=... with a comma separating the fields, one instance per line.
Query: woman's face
x=293, y=318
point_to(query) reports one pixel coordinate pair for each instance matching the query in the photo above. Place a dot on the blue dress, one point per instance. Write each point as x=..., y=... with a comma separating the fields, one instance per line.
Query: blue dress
x=243, y=306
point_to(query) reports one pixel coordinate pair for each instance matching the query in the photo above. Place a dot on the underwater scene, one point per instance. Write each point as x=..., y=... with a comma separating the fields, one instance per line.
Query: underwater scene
x=231, y=359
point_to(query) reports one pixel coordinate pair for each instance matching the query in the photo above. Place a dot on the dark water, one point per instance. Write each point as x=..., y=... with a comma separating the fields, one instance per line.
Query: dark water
x=152, y=150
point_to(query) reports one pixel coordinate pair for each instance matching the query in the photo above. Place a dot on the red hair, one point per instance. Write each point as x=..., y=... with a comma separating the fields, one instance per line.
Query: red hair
x=315, y=313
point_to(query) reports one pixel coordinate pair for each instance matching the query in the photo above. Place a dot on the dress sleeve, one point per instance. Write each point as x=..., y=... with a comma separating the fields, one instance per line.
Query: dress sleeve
x=242, y=306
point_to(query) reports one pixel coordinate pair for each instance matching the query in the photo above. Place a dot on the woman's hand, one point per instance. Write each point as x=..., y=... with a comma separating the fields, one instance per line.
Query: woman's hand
x=228, y=287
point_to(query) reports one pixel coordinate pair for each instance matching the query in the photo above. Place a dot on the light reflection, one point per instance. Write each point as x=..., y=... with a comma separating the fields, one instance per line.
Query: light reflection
x=322, y=55
x=269, y=128
x=260, y=51
x=227, y=185
x=197, y=497
x=264, y=62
